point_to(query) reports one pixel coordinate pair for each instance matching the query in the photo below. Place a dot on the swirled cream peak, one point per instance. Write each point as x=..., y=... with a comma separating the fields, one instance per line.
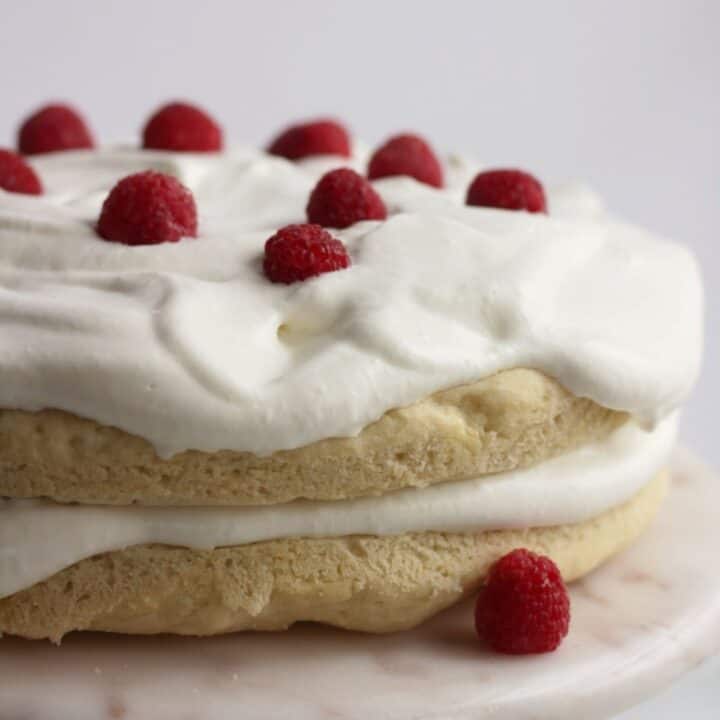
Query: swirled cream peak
x=189, y=346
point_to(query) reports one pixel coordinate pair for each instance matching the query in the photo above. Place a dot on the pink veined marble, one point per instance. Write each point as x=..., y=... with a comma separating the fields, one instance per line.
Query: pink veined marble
x=638, y=622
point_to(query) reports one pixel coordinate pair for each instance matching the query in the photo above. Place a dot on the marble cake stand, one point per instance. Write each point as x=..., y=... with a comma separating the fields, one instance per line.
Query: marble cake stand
x=640, y=621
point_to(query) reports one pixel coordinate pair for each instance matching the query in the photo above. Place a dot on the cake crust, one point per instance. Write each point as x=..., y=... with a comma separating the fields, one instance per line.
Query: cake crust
x=514, y=419
x=373, y=584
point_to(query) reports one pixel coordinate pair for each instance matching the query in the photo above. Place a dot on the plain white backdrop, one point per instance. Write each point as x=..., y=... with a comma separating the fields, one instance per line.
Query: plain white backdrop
x=623, y=94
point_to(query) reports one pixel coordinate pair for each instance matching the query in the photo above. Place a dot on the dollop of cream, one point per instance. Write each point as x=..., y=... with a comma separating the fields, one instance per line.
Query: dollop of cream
x=189, y=346
x=38, y=538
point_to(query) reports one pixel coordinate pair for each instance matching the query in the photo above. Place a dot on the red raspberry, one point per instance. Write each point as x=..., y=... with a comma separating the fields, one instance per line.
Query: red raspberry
x=320, y=137
x=181, y=127
x=341, y=198
x=507, y=189
x=524, y=607
x=406, y=155
x=16, y=176
x=52, y=128
x=299, y=252
x=146, y=209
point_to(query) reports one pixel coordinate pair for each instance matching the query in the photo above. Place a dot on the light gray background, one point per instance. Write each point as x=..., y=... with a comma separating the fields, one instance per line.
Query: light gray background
x=623, y=94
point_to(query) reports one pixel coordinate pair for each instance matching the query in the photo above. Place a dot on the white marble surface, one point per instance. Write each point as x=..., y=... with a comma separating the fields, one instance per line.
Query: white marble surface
x=695, y=696
x=639, y=622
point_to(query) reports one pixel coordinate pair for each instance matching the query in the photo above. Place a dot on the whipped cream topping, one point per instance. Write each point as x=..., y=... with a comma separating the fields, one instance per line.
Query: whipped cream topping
x=38, y=538
x=189, y=346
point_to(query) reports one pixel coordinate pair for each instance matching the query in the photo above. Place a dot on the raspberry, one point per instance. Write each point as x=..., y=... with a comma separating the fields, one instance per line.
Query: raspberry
x=320, y=137
x=16, y=176
x=181, y=127
x=524, y=607
x=507, y=189
x=299, y=252
x=52, y=128
x=146, y=209
x=406, y=155
x=341, y=198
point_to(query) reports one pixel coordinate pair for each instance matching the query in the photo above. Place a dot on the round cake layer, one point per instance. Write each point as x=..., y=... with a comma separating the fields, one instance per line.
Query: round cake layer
x=374, y=584
x=191, y=347
x=513, y=419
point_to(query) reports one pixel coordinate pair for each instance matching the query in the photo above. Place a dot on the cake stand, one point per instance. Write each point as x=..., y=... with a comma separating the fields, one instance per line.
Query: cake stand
x=638, y=622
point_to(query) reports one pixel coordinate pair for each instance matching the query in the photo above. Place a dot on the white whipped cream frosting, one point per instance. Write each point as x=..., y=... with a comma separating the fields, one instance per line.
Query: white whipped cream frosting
x=189, y=346
x=38, y=539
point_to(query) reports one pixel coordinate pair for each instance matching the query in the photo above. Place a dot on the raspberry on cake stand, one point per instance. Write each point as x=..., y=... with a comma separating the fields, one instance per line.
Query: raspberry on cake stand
x=638, y=622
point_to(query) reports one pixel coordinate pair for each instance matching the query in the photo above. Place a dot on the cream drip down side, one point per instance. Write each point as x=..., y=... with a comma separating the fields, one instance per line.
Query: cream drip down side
x=190, y=347
x=39, y=538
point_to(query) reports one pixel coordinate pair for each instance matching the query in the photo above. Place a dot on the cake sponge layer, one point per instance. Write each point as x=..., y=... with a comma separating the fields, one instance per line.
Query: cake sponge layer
x=514, y=419
x=372, y=584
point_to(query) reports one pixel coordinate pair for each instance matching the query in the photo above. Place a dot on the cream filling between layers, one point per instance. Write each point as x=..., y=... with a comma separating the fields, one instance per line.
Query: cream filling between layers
x=40, y=538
